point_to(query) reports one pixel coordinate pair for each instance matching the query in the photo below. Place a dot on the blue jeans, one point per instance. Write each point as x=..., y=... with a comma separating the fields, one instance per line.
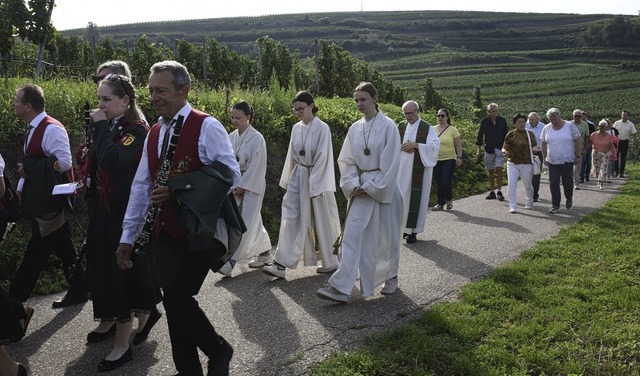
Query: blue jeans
x=564, y=172
x=443, y=176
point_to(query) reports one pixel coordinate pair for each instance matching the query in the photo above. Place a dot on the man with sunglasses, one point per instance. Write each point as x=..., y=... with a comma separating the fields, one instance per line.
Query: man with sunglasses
x=418, y=154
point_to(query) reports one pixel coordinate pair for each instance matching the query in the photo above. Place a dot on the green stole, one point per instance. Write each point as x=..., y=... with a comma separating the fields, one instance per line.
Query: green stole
x=418, y=172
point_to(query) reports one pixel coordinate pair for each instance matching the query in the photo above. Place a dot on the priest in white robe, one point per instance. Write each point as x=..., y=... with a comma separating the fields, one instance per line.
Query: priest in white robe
x=418, y=156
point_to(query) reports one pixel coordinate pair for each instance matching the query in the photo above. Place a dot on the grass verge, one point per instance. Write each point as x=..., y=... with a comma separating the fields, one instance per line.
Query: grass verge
x=568, y=306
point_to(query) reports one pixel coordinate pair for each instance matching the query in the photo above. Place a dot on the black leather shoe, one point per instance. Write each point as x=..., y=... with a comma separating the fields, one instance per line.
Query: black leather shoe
x=219, y=364
x=94, y=336
x=411, y=238
x=21, y=370
x=108, y=365
x=139, y=337
x=68, y=300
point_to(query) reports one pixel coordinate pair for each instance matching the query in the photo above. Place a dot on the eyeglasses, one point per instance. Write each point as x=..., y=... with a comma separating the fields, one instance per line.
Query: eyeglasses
x=299, y=109
x=442, y=115
x=409, y=113
x=577, y=116
x=97, y=78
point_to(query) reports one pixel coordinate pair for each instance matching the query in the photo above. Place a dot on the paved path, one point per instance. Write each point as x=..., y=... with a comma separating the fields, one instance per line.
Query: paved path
x=280, y=327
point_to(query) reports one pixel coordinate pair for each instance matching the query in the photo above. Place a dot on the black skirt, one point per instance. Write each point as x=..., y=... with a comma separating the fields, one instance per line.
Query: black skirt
x=116, y=293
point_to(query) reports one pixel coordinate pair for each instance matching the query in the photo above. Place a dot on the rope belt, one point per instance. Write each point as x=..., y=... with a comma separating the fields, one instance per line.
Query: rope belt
x=361, y=171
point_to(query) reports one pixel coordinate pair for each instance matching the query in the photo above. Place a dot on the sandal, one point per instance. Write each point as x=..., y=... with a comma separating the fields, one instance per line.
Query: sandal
x=449, y=205
x=437, y=207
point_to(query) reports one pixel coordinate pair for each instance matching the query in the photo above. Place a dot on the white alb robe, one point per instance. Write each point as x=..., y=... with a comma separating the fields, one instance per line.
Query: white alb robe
x=309, y=209
x=251, y=152
x=429, y=157
x=371, y=240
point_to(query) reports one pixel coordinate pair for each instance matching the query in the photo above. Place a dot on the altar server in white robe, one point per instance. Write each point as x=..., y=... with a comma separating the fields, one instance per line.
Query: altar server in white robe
x=251, y=153
x=368, y=163
x=310, y=222
x=418, y=156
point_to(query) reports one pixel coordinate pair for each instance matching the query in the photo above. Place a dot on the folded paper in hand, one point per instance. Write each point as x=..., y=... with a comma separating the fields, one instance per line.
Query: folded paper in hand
x=65, y=189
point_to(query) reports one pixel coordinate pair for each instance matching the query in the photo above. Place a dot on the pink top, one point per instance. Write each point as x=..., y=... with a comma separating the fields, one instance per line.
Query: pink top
x=601, y=143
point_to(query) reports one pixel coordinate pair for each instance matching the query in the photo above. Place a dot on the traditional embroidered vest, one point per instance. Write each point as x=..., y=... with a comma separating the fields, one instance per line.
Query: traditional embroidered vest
x=418, y=171
x=35, y=144
x=185, y=160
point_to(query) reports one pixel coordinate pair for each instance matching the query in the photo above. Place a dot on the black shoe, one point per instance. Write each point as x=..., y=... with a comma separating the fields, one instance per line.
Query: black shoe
x=621, y=175
x=68, y=300
x=219, y=364
x=500, y=196
x=94, y=336
x=491, y=196
x=411, y=238
x=108, y=365
x=21, y=370
x=154, y=316
x=404, y=235
x=569, y=204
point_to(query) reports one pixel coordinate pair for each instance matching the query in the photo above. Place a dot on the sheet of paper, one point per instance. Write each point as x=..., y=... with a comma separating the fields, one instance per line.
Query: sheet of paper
x=65, y=189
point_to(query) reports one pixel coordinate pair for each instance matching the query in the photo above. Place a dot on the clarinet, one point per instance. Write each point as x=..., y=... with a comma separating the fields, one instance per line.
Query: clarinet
x=87, y=144
x=87, y=125
x=144, y=235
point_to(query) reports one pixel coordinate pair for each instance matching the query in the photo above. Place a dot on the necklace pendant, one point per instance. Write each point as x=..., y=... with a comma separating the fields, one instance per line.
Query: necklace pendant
x=302, y=152
x=238, y=159
x=367, y=151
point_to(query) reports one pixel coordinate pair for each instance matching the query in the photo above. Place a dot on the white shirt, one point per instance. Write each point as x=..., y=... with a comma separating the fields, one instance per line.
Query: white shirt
x=625, y=128
x=213, y=145
x=55, y=141
x=537, y=130
x=560, y=143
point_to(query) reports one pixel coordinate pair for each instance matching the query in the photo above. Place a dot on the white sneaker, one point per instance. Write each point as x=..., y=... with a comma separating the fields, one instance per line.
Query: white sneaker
x=275, y=270
x=261, y=261
x=528, y=207
x=390, y=286
x=513, y=210
x=226, y=270
x=331, y=293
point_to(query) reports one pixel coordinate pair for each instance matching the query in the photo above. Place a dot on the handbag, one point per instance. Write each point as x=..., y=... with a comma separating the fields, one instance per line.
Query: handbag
x=535, y=160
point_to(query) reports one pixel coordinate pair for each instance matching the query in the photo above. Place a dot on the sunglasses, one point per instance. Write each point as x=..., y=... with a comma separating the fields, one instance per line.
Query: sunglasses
x=97, y=78
x=442, y=115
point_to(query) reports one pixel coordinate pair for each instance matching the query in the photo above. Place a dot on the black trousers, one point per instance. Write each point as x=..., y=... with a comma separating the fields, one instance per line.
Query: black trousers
x=182, y=273
x=623, y=149
x=556, y=173
x=35, y=259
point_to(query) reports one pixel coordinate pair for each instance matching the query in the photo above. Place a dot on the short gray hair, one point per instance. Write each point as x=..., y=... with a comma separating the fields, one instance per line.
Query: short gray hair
x=411, y=102
x=180, y=73
x=553, y=111
x=492, y=105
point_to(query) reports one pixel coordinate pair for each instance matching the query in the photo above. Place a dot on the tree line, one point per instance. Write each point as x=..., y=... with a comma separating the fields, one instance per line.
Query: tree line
x=28, y=39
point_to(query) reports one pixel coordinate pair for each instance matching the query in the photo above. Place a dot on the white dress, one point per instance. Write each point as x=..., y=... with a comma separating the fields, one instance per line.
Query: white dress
x=429, y=157
x=309, y=209
x=371, y=241
x=251, y=152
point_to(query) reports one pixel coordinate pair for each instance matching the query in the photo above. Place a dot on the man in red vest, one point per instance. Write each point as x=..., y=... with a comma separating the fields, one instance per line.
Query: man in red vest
x=202, y=141
x=47, y=162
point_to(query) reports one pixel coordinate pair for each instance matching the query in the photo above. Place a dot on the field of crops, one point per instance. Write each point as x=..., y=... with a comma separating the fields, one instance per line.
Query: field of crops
x=527, y=81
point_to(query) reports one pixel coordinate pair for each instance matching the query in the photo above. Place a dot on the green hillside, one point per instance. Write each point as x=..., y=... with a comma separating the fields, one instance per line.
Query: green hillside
x=524, y=62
